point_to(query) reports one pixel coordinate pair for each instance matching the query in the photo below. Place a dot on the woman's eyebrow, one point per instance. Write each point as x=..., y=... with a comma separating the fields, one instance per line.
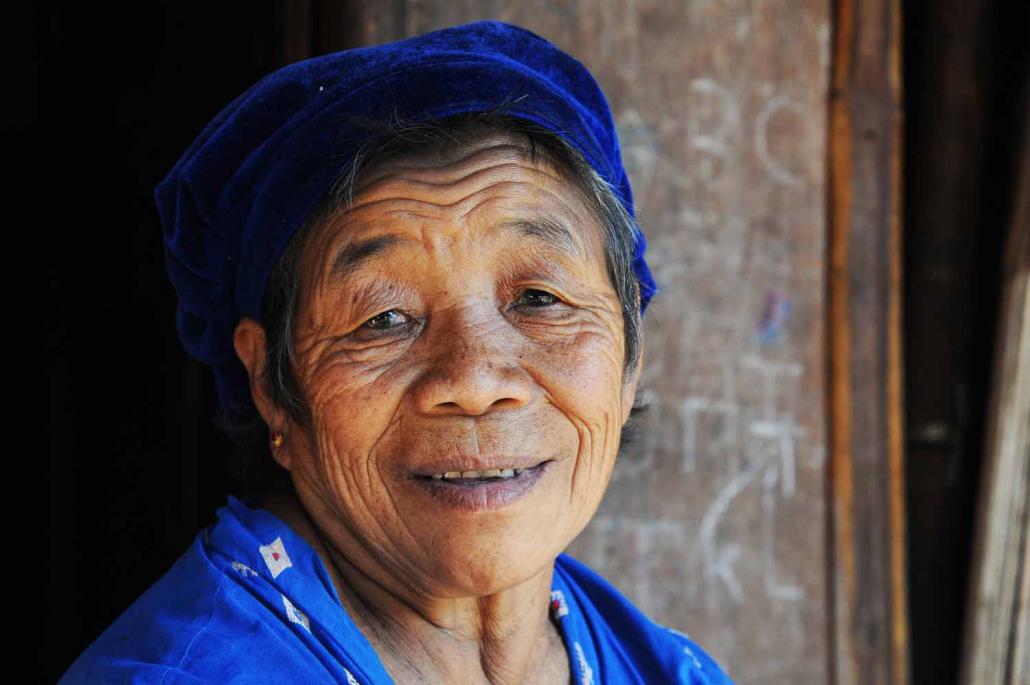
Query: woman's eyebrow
x=552, y=232
x=355, y=254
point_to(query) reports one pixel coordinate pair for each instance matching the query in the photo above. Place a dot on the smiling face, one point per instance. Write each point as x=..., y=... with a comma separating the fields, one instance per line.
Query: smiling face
x=458, y=316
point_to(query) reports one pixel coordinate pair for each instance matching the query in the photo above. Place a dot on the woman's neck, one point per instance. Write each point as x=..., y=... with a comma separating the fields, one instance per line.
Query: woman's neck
x=505, y=637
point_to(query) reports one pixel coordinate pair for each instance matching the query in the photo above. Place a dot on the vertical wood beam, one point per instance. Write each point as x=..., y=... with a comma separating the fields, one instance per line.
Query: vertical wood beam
x=868, y=600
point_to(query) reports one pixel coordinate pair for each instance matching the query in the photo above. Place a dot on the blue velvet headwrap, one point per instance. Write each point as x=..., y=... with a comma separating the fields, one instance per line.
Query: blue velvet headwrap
x=242, y=189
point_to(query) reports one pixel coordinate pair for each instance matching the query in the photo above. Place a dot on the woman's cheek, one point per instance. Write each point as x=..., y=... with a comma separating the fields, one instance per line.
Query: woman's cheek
x=586, y=386
x=343, y=458
x=590, y=369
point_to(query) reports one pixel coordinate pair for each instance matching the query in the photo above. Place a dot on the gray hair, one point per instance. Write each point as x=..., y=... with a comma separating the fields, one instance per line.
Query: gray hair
x=393, y=139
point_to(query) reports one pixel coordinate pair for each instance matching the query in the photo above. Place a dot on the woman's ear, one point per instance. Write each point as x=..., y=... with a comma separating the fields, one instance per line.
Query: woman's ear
x=252, y=349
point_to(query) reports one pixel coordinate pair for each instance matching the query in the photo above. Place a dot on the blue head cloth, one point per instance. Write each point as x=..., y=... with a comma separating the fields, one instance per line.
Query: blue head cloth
x=247, y=183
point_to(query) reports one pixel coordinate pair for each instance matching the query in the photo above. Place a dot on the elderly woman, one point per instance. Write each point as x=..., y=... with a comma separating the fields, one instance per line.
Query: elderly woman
x=415, y=268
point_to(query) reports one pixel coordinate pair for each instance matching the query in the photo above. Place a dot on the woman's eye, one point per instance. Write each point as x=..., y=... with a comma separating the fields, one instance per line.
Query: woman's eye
x=538, y=298
x=382, y=321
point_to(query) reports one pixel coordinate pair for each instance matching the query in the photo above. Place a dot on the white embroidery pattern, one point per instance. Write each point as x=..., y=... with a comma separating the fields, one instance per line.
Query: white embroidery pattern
x=588, y=673
x=275, y=557
x=351, y=680
x=558, y=604
x=243, y=569
x=295, y=614
x=686, y=649
x=697, y=664
x=676, y=632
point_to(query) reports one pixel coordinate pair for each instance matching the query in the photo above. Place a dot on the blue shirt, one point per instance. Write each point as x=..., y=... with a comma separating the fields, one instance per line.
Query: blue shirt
x=250, y=601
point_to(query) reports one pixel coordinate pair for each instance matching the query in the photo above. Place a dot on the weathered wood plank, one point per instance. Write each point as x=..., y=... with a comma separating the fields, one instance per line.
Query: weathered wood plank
x=870, y=634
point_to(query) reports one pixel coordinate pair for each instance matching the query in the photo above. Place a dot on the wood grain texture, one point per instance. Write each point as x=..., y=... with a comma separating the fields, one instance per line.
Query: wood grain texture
x=869, y=599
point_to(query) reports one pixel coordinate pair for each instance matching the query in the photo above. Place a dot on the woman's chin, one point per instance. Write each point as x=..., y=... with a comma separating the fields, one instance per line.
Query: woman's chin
x=483, y=539
x=467, y=574
x=478, y=558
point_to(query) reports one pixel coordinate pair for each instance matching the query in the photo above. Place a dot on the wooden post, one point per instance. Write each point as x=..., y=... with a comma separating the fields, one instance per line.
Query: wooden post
x=866, y=475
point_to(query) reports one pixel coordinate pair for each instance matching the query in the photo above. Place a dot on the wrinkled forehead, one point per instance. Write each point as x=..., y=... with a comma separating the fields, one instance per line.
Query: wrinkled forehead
x=493, y=176
x=441, y=148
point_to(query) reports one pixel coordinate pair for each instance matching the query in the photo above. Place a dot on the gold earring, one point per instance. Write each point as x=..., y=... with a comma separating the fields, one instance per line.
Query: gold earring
x=277, y=439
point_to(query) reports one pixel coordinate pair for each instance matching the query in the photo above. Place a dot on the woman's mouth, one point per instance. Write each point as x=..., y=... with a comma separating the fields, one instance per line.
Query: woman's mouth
x=487, y=475
x=481, y=490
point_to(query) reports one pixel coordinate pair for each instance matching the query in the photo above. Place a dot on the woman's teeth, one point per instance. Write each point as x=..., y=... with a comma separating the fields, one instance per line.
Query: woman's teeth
x=489, y=473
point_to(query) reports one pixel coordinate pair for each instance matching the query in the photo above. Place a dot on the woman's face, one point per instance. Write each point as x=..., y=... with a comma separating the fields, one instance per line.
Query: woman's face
x=458, y=317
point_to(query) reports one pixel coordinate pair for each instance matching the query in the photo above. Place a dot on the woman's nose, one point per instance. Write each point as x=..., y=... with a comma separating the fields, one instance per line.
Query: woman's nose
x=474, y=370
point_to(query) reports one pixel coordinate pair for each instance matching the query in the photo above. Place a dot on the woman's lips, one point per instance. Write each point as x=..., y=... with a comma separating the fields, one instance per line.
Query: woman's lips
x=482, y=495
